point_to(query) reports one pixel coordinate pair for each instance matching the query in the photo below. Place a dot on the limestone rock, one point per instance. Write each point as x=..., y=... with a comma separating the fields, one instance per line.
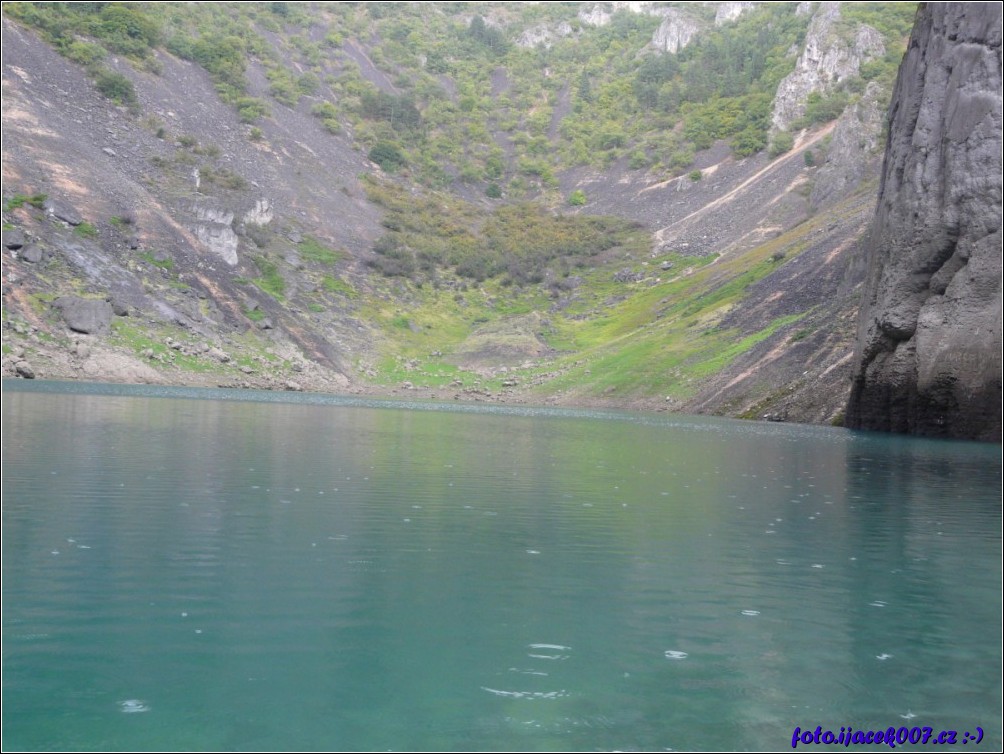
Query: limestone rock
x=24, y=369
x=13, y=239
x=62, y=211
x=544, y=35
x=928, y=353
x=854, y=149
x=675, y=32
x=260, y=214
x=829, y=56
x=728, y=12
x=595, y=16
x=31, y=253
x=85, y=315
x=215, y=231
x=119, y=307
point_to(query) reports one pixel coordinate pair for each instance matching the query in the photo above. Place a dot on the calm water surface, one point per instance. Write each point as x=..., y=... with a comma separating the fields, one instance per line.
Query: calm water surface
x=182, y=571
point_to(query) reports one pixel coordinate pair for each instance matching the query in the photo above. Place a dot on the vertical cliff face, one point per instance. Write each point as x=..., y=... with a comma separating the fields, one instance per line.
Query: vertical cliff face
x=928, y=354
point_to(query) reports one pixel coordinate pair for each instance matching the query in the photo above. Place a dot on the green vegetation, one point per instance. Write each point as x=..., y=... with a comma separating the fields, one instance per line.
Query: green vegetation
x=271, y=280
x=440, y=98
x=333, y=284
x=428, y=236
x=115, y=86
x=313, y=250
x=19, y=200
x=388, y=156
x=223, y=177
x=452, y=81
x=165, y=264
x=85, y=230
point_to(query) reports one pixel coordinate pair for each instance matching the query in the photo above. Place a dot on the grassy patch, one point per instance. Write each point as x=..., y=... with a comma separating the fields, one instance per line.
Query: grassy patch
x=333, y=284
x=271, y=280
x=85, y=230
x=313, y=250
x=19, y=200
x=165, y=264
x=139, y=339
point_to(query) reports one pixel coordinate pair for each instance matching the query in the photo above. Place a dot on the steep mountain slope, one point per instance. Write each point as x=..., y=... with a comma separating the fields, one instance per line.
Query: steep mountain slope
x=928, y=356
x=323, y=218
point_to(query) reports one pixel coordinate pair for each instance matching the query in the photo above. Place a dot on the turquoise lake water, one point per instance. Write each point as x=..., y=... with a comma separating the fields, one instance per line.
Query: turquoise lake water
x=198, y=569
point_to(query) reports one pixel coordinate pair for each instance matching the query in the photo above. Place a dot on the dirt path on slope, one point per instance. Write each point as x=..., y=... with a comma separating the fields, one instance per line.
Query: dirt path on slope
x=800, y=146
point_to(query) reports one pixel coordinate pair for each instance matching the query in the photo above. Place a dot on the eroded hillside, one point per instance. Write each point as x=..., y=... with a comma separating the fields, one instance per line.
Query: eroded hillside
x=195, y=235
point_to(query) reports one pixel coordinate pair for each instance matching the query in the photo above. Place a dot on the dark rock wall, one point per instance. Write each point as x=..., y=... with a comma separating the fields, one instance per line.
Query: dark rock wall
x=928, y=354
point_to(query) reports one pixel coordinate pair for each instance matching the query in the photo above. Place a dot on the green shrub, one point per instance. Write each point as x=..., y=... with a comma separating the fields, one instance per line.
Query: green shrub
x=115, y=86
x=223, y=177
x=823, y=109
x=250, y=109
x=388, y=156
x=577, y=198
x=86, y=53
x=695, y=175
x=493, y=191
x=781, y=143
x=638, y=160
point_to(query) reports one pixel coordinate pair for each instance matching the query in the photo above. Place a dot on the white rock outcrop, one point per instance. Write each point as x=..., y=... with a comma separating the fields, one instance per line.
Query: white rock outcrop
x=729, y=12
x=675, y=32
x=829, y=56
x=260, y=214
x=214, y=230
x=544, y=35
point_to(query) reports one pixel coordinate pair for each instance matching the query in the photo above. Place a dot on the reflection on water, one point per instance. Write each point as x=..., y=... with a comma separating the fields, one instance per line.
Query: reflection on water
x=303, y=572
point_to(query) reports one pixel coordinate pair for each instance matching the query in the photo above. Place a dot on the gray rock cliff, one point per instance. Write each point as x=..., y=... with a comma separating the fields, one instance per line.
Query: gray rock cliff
x=854, y=153
x=928, y=353
x=675, y=32
x=830, y=55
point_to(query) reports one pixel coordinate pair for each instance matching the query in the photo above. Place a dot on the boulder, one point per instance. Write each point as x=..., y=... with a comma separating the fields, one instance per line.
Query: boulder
x=13, y=239
x=23, y=369
x=62, y=211
x=31, y=253
x=85, y=315
x=119, y=307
